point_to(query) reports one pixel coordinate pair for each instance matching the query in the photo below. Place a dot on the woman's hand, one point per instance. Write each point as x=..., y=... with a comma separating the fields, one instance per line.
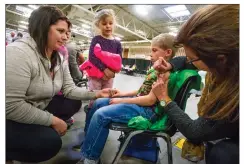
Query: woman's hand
x=106, y=93
x=59, y=125
x=162, y=66
x=115, y=101
x=160, y=88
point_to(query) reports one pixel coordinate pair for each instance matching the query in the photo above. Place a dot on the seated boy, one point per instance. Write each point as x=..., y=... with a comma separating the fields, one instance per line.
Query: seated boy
x=137, y=103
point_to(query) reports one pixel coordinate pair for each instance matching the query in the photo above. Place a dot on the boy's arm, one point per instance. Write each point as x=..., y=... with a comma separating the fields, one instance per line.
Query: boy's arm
x=147, y=100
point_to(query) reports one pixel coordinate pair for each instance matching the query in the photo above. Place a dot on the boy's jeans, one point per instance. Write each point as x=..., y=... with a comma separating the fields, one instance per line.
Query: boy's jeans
x=97, y=123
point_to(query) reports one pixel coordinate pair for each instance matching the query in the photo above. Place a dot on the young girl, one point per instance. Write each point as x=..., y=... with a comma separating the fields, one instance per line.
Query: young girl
x=104, y=23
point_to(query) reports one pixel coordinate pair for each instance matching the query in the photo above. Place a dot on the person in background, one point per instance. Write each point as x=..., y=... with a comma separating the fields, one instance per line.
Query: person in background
x=35, y=72
x=74, y=53
x=210, y=38
x=81, y=58
x=10, y=38
x=19, y=36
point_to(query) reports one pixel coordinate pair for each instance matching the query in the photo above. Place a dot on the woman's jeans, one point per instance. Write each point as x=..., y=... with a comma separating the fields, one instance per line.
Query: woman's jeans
x=97, y=123
x=223, y=152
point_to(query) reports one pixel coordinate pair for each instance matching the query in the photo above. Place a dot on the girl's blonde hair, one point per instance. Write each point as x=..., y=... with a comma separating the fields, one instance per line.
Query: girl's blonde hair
x=101, y=15
x=210, y=32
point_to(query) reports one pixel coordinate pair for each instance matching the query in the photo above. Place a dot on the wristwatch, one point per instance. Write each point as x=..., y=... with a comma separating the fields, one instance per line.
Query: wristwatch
x=163, y=103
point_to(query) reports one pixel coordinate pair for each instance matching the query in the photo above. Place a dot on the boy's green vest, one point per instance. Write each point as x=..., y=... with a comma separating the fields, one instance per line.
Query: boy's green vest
x=176, y=81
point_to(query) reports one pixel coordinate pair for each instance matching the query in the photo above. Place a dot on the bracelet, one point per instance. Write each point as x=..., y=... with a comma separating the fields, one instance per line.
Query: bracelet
x=168, y=102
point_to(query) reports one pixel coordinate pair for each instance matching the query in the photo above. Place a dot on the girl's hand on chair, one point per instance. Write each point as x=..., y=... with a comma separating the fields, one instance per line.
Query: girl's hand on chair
x=115, y=101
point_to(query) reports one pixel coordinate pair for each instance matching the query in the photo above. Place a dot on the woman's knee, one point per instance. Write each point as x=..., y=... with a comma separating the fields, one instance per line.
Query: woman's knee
x=53, y=142
x=38, y=143
x=49, y=145
x=224, y=152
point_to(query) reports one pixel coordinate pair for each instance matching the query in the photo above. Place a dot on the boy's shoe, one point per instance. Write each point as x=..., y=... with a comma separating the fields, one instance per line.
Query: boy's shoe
x=86, y=109
x=80, y=161
x=87, y=161
x=70, y=122
x=76, y=148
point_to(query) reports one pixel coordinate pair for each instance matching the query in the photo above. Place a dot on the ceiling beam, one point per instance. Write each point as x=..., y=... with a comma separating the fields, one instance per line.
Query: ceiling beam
x=118, y=25
x=64, y=7
x=16, y=13
x=145, y=24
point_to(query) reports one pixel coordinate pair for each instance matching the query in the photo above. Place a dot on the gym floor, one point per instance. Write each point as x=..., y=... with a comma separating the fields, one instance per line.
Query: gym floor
x=75, y=136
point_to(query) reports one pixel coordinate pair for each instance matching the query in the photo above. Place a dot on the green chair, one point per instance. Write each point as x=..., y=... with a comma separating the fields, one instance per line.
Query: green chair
x=180, y=95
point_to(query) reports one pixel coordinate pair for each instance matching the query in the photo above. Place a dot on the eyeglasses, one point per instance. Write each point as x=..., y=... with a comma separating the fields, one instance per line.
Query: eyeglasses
x=191, y=61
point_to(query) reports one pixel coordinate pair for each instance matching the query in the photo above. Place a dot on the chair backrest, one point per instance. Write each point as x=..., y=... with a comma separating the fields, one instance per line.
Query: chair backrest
x=181, y=99
x=184, y=92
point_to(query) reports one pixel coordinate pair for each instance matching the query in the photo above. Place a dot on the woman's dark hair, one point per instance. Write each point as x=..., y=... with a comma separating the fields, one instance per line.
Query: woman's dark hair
x=39, y=23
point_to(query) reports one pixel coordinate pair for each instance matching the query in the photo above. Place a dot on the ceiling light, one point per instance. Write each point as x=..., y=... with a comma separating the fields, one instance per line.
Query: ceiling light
x=23, y=22
x=180, y=13
x=121, y=36
x=75, y=26
x=117, y=38
x=173, y=33
x=86, y=26
x=173, y=29
x=33, y=6
x=21, y=26
x=175, y=8
x=177, y=11
x=20, y=29
x=85, y=31
x=141, y=32
x=26, y=11
x=143, y=9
